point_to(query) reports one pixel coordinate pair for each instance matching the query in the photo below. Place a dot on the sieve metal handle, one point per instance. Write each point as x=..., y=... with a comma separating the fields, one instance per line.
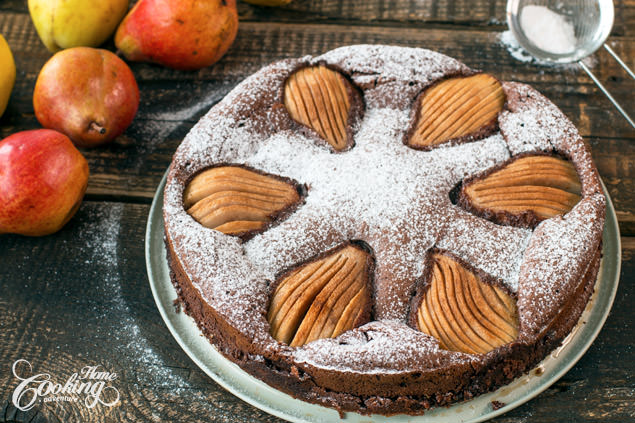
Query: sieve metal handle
x=604, y=90
x=619, y=60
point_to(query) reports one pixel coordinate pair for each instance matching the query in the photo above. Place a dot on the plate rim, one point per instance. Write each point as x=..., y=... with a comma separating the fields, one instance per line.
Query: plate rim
x=611, y=230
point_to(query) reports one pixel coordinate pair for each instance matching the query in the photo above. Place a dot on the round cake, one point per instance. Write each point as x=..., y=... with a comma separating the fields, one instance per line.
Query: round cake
x=383, y=229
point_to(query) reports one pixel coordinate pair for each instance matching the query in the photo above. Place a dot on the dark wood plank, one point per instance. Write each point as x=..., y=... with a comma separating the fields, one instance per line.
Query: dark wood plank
x=466, y=12
x=132, y=167
x=569, y=87
x=615, y=160
x=482, y=13
x=81, y=297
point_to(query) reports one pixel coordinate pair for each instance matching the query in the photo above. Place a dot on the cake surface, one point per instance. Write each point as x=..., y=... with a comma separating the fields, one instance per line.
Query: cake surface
x=373, y=172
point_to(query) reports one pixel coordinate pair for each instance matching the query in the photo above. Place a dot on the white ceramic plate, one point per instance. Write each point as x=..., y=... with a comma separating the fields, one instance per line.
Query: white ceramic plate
x=261, y=395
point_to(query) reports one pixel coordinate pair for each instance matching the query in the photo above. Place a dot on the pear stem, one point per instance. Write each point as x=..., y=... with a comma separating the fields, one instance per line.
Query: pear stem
x=94, y=126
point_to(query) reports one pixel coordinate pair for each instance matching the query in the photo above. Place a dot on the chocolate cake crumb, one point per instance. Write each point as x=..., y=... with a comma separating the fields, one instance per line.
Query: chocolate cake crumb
x=497, y=405
x=177, y=305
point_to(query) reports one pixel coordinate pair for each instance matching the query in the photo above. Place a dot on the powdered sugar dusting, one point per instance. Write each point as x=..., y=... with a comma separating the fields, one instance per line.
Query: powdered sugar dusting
x=392, y=63
x=372, y=349
x=514, y=48
x=533, y=122
x=216, y=266
x=554, y=263
x=100, y=231
x=547, y=29
x=483, y=243
x=392, y=75
x=363, y=194
x=393, y=197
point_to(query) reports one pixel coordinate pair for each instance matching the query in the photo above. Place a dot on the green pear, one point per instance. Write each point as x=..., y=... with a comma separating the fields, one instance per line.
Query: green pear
x=70, y=23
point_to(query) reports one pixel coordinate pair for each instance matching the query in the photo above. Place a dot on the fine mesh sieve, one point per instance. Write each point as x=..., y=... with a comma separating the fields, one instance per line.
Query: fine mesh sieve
x=591, y=22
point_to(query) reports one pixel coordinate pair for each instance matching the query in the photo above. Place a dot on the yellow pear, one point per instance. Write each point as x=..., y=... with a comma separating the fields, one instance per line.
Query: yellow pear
x=71, y=23
x=7, y=74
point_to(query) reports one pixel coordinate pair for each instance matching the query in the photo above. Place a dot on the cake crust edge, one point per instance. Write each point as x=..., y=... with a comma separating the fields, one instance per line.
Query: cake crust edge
x=315, y=385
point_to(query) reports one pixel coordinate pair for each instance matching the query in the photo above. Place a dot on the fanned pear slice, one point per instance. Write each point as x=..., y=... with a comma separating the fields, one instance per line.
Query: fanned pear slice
x=236, y=200
x=323, y=298
x=464, y=313
x=320, y=98
x=533, y=188
x=455, y=108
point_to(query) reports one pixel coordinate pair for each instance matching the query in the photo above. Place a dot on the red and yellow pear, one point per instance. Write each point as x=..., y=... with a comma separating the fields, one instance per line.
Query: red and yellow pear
x=43, y=178
x=88, y=94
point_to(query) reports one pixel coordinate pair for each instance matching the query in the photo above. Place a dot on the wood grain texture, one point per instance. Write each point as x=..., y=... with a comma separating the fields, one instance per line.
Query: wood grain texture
x=481, y=13
x=132, y=167
x=81, y=297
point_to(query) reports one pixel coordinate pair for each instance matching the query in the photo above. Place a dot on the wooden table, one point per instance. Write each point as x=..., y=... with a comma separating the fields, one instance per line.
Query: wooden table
x=81, y=297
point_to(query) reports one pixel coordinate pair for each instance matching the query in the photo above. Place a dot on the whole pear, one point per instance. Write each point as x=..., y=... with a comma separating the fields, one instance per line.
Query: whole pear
x=180, y=34
x=86, y=93
x=71, y=23
x=43, y=179
x=7, y=74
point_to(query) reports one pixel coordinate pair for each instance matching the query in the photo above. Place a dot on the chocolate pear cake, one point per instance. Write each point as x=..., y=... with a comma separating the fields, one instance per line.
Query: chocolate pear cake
x=383, y=229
